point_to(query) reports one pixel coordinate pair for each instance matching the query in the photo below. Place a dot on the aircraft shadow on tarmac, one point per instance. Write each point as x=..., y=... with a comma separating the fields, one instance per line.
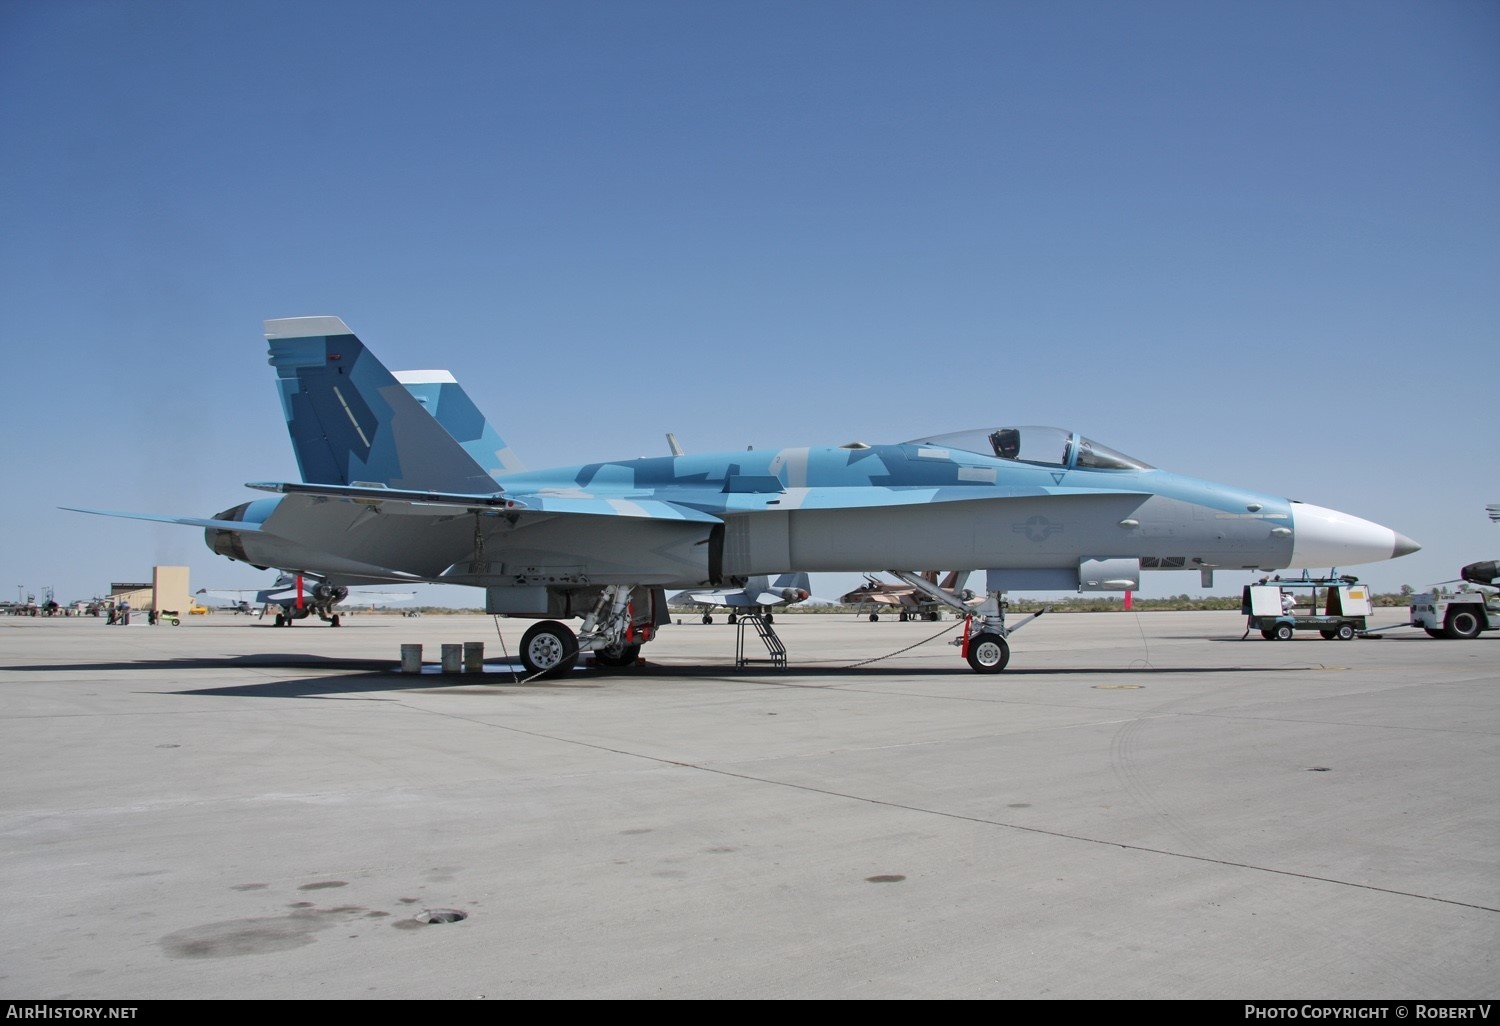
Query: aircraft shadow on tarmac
x=257, y=660
x=381, y=675
x=497, y=680
x=372, y=675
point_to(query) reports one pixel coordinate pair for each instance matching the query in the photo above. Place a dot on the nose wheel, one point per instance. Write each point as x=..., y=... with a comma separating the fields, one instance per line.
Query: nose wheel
x=988, y=653
x=984, y=643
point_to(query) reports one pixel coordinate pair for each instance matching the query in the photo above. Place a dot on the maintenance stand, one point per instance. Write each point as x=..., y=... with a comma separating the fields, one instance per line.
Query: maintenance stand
x=762, y=625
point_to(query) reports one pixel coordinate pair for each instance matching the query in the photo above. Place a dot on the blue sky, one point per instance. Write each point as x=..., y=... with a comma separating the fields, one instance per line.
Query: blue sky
x=1255, y=242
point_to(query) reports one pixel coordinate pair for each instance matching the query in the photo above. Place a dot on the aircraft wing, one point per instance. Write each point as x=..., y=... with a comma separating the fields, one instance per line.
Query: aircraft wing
x=745, y=600
x=581, y=505
x=703, y=598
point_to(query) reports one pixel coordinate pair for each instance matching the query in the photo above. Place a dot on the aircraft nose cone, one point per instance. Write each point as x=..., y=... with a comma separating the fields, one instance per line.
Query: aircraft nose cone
x=1404, y=545
x=1326, y=537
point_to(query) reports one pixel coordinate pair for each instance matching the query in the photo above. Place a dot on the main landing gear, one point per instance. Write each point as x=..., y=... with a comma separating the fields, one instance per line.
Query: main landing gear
x=613, y=632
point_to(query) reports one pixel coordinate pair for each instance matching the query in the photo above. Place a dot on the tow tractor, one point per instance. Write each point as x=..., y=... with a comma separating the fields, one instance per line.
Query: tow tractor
x=1275, y=607
x=1463, y=614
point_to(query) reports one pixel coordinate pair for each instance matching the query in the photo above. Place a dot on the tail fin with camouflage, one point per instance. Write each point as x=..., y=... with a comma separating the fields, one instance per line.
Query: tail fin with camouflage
x=443, y=397
x=353, y=423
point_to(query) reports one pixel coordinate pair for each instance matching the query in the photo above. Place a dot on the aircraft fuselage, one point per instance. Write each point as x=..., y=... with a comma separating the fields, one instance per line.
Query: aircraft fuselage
x=812, y=509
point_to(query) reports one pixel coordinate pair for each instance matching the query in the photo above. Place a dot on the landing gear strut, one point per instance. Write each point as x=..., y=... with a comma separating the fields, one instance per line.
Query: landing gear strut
x=983, y=643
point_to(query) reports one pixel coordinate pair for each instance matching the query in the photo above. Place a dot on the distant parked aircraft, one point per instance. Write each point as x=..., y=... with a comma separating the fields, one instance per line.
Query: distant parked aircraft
x=907, y=600
x=759, y=595
x=298, y=596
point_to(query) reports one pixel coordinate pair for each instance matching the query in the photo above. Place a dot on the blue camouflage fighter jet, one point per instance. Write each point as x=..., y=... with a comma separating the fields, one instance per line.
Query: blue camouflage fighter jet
x=408, y=482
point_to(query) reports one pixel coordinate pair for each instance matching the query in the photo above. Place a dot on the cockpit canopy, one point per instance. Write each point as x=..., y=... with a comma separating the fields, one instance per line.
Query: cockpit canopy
x=1048, y=446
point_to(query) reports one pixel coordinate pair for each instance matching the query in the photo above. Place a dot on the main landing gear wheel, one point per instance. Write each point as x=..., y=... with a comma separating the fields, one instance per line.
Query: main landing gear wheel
x=1463, y=624
x=769, y=619
x=334, y=621
x=874, y=617
x=988, y=653
x=707, y=618
x=618, y=655
x=281, y=621
x=549, y=649
x=734, y=618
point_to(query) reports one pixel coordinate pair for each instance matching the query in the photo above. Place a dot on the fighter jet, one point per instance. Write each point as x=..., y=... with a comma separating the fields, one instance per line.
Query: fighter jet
x=759, y=594
x=908, y=601
x=387, y=494
x=298, y=596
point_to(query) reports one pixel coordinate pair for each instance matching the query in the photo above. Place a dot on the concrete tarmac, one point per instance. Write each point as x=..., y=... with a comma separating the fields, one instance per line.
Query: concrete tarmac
x=1142, y=806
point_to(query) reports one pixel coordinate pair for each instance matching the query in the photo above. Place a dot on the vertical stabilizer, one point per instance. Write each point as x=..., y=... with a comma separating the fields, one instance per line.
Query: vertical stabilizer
x=443, y=397
x=352, y=421
x=794, y=580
